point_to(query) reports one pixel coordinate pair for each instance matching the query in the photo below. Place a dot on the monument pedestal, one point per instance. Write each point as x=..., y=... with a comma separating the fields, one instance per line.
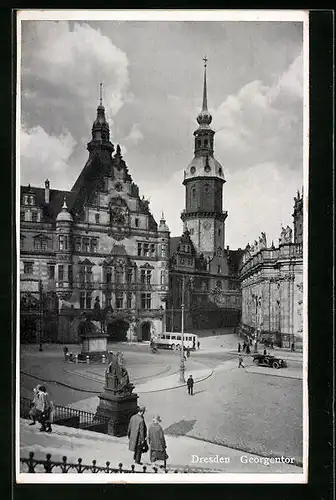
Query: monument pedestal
x=119, y=409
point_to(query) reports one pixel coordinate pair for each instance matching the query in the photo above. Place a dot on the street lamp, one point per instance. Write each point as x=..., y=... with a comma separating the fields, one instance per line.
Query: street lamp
x=182, y=363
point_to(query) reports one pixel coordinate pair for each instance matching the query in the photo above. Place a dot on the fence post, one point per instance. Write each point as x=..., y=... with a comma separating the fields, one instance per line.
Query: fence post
x=87, y=359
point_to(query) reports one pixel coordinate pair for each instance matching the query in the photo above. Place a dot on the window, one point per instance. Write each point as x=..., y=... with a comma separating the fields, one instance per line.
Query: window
x=146, y=276
x=199, y=143
x=173, y=337
x=139, y=249
x=205, y=142
x=152, y=249
x=28, y=267
x=85, y=274
x=146, y=249
x=206, y=188
x=85, y=300
x=193, y=192
x=162, y=278
x=70, y=274
x=119, y=300
x=146, y=301
x=97, y=217
x=136, y=222
x=219, y=232
x=51, y=271
x=191, y=231
x=94, y=245
x=61, y=242
x=22, y=216
x=219, y=284
x=220, y=171
x=31, y=200
x=163, y=250
x=219, y=269
x=108, y=275
x=60, y=273
x=129, y=301
x=129, y=275
x=22, y=238
x=181, y=260
x=119, y=274
x=78, y=244
x=34, y=216
x=108, y=297
x=86, y=245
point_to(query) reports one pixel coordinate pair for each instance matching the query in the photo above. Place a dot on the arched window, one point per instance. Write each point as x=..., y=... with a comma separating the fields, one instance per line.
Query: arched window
x=206, y=189
x=193, y=192
x=219, y=284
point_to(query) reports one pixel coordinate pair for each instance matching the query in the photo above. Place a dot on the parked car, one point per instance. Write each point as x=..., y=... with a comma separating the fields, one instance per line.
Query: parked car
x=269, y=360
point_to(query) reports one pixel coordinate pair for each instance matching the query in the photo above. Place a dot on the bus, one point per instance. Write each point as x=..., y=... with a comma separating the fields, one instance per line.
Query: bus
x=174, y=341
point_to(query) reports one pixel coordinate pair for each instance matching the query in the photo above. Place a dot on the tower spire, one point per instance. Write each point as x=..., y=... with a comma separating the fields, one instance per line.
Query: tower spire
x=101, y=93
x=205, y=97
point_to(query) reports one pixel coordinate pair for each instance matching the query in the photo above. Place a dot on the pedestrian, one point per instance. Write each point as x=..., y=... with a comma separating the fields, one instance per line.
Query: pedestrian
x=157, y=442
x=248, y=349
x=33, y=413
x=137, y=434
x=272, y=345
x=244, y=346
x=65, y=350
x=198, y=344
x=239, y=347
x=190, y=385
x=240, y=360
x=44, y=407
x=40, y=347
x=292, y=347
x=265, y=352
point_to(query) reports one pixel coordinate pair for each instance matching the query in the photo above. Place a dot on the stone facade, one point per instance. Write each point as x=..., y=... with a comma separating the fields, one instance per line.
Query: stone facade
x=272, y=285
x=95, y=247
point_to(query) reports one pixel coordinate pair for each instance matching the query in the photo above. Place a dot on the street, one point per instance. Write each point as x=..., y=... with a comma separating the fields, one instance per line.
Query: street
x=256, y=410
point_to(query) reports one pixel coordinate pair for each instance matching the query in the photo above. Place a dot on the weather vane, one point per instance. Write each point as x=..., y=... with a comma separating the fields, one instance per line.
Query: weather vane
x=205, y=59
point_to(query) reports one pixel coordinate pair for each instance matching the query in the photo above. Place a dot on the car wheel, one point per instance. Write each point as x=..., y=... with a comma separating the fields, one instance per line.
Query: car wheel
x=256, y=361
x=173, y=347
x=275, y=364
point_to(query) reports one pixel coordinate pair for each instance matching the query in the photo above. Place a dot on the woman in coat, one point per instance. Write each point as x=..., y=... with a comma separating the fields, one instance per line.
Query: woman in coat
x=157, y=442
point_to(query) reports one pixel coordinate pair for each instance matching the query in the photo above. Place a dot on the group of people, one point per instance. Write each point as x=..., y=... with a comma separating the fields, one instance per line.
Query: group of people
x=42, y=409
x=141, y=441
x=245, y=347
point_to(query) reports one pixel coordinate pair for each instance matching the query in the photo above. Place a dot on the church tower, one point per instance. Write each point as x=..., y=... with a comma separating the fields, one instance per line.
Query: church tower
x=203, y=215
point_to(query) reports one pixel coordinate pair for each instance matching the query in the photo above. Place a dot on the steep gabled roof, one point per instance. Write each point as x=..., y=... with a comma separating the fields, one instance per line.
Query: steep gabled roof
x=56, y=199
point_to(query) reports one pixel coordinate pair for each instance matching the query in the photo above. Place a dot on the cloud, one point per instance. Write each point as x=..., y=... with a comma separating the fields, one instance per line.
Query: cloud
x=135, y=136
x=263, y=123
x=259, y=198
x=69, y=61
x=41, y=152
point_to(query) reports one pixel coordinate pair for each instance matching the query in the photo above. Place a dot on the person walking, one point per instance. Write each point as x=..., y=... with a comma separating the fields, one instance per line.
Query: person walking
x=157, y=442
x=198, y=344
x=65, y=350
x=239, y=347
x=240, y=360
x=33, y=413
x=265, y=352
x=190, y=385
x=43, y=406
x=248, y=351
x=244, y=346
x=137, y=434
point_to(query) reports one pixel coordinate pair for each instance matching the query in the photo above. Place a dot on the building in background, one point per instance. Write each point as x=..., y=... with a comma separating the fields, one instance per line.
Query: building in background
x=95, y=249
x=203, y=272
x=272, y=285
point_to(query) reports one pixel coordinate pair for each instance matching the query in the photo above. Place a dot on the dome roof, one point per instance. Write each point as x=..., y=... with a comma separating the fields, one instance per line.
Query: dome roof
x=204, y=166
x=64, y=215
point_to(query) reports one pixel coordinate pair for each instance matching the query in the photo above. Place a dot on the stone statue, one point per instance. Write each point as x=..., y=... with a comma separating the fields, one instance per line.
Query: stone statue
x=256, y=247
x=282, y=238
x=262, y=241
x=288, y=235
x=116, y=376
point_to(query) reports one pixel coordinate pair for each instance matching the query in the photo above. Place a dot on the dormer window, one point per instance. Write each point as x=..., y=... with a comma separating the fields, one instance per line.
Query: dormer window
x=192, y=170
x=206, y=142
x=199, y=143
x=34, y=217
x=97, y=217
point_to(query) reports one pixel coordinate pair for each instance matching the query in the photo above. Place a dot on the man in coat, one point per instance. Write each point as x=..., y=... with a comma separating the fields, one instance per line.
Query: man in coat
x=137, y=433
x=157, y=442
x=190, y=385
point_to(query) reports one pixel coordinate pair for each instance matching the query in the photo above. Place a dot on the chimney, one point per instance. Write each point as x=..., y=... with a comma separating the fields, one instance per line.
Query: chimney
x=47, y=192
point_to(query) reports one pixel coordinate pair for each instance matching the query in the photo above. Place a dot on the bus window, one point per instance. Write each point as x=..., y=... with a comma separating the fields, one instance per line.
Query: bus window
x=173, y=337
x=163, y=336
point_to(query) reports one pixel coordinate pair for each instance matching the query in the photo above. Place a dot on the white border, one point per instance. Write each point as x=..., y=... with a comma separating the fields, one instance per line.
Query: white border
x=172, y=15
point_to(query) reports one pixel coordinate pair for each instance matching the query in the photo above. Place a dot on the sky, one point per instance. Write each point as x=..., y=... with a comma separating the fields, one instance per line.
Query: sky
x=152, y=75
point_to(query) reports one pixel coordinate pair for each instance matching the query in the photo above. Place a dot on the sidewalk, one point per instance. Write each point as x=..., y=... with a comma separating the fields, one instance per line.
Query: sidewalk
x=184, y=452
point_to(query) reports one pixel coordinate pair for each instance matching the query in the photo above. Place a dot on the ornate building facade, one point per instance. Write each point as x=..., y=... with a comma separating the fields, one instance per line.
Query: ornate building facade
x=203, y=273
x=272, y=285
x=94, y=248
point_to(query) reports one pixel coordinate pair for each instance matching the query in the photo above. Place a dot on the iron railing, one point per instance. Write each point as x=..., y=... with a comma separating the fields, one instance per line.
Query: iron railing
x=70, y=417
x=32, y=465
